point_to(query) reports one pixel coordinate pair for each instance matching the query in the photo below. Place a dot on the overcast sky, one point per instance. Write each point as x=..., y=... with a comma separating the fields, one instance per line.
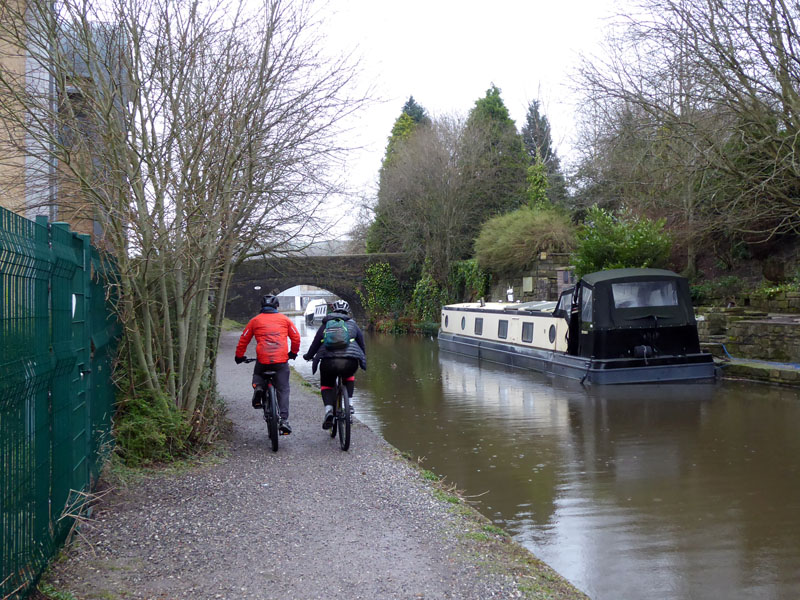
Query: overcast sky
x=447, y=53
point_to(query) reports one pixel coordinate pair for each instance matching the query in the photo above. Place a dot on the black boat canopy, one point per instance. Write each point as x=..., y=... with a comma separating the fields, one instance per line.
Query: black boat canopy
x=635, y=298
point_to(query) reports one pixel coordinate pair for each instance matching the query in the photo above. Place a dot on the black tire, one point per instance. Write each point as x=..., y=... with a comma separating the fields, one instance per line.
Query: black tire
x=343, y=419
x=271, y=416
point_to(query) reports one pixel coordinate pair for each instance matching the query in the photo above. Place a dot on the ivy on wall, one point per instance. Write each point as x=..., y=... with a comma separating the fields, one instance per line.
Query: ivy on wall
x=381, y=290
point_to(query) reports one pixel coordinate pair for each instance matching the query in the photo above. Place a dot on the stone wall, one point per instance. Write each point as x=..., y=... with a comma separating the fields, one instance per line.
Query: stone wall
x=751, y=334
x=783, y=302
x=550, y=274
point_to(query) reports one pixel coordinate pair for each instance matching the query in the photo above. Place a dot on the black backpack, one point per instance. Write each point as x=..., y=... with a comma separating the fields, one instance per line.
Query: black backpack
x=336, y=335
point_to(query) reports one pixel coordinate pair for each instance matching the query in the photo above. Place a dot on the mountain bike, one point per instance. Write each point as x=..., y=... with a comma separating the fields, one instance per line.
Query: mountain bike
x=341, y=414
x=270, y=405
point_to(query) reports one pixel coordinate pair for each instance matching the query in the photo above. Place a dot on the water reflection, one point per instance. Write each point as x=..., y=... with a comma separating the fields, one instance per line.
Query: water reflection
x=679, y=491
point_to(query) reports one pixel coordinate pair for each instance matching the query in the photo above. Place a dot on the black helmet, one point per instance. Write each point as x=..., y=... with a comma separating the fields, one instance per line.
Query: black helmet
x=270, y=300
x=341, y=306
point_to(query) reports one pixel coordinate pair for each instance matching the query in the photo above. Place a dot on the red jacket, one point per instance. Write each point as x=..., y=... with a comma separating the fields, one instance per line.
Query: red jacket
x=271, y=330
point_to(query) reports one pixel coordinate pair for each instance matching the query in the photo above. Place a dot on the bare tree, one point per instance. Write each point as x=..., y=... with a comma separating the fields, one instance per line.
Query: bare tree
x=426, y=195
x=197, y=135
x=714, y=88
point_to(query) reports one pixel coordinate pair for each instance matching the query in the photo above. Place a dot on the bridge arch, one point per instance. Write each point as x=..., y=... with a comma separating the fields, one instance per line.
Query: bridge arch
x=339, y=274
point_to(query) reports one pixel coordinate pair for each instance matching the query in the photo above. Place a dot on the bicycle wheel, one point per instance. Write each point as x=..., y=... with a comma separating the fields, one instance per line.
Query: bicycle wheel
x=271, y=416
x=335, y=419
x=343, y=419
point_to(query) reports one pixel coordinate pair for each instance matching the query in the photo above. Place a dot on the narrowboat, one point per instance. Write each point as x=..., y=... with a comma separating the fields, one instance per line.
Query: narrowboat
x=613, y=327
x=315, y=310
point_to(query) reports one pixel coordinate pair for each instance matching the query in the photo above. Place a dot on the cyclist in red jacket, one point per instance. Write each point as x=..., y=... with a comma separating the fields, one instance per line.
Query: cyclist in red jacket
x=271, y=329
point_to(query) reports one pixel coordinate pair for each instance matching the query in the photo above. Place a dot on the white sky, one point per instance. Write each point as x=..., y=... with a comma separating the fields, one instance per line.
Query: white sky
x=447, y=53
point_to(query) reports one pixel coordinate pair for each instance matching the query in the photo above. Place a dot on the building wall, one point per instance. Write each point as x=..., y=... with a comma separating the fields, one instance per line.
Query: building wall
x=12, y=162
x=31, y=181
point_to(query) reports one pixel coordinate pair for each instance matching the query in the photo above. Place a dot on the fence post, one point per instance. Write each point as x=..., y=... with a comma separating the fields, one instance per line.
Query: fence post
x=83, y=349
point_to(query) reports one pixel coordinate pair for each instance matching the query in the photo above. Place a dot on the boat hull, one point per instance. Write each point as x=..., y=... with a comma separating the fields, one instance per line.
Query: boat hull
x=669, y=369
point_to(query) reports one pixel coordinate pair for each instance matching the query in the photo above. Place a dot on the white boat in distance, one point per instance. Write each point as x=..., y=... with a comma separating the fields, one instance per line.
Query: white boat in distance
x=315, y=310
x=615, y=326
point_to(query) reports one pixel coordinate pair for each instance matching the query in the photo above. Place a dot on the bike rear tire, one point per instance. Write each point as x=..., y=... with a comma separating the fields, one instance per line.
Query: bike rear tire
x=343, y=419
x=271, y=416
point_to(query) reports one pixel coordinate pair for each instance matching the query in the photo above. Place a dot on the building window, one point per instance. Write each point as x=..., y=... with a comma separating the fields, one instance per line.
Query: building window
x=479, y=326
x=502, y=329
x=527, y=332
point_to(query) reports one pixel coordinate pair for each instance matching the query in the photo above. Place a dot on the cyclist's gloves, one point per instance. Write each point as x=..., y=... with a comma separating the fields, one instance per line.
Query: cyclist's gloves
x=292, y=355
x=239, y=359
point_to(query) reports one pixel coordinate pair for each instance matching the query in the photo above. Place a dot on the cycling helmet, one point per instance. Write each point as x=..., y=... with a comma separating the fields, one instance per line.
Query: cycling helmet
x=341, y=306
x=270, y=300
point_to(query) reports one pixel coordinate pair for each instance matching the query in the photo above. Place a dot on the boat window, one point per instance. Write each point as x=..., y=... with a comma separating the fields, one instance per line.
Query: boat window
x=586, y=305
x=564, y=303
x=639, y=294
x=446, y=320
x=502, y=329
x=463, y=323
x=479, y=326
x=527, y=332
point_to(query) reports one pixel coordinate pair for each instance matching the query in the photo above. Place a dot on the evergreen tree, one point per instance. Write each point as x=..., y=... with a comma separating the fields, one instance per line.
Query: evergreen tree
x=538, y=142
x=403, y=127
x=536, y=136
x=380, y=234
x=496, y=161
x=415, y=111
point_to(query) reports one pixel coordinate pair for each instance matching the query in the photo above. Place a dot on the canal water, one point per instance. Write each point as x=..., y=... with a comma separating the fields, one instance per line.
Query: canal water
x=669, y=492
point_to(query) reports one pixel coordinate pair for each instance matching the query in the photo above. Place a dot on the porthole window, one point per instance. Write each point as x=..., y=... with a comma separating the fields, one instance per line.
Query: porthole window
x=552, y=333
x=463, y=323
x=446, y=320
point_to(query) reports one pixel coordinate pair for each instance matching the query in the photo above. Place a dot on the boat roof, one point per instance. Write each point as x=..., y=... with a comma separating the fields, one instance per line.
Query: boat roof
x=627, y=274
x=535, y=306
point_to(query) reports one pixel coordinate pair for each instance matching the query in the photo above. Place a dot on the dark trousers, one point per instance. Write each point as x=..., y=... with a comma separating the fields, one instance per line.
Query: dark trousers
x=280, y=381
x=329, y=369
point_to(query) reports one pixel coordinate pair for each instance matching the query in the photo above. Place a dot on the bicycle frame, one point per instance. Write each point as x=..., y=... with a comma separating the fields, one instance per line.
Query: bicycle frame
x=342, y=419
x=269, y=404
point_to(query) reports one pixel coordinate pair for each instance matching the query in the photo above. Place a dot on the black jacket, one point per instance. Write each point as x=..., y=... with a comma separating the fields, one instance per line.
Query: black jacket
x=356, y=349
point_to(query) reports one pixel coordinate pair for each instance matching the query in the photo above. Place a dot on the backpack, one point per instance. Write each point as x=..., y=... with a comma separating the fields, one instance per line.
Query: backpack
x=336, y=335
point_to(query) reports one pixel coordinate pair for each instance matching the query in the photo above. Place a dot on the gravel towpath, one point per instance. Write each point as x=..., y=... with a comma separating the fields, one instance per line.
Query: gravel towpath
x=309, y=521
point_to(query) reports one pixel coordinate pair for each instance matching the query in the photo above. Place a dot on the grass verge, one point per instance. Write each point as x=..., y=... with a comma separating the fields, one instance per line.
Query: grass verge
x=492, y=548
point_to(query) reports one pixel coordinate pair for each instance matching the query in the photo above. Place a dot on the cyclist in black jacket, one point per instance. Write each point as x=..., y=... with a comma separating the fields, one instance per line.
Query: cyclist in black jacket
x=342, y=362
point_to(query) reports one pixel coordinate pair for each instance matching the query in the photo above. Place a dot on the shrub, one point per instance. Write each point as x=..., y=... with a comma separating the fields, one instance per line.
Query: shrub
x=718, y=291
x=608, y=241
x=427, y=298
x=150, y=429
x=511, y=242
x=768, y=290
x=467, y=281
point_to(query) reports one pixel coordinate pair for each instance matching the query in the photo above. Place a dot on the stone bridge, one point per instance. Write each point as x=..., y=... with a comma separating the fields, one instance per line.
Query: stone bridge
x=339, y=274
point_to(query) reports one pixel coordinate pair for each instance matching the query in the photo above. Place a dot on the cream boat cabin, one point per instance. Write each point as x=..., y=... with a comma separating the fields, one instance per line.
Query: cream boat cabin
x=616, y=326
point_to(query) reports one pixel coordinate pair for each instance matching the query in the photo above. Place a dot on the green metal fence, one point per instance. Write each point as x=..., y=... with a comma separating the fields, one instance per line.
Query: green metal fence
x=57, y=341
